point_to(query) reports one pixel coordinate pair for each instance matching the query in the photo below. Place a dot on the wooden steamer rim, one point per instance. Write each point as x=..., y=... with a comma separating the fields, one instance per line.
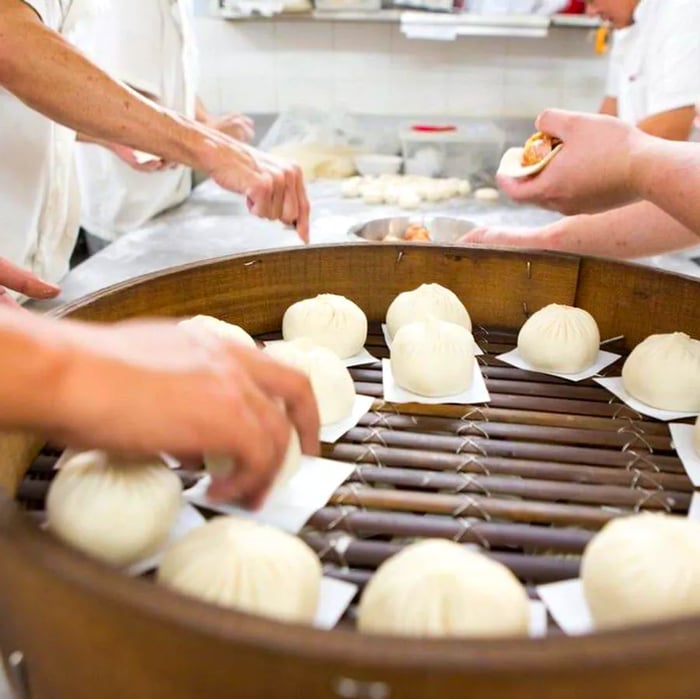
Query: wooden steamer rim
x=65, y=611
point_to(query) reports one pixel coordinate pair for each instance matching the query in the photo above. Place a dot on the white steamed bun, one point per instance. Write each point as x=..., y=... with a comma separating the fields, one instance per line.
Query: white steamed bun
x=642, y=568
x=117, y=510
x=426, y=301
x=440, y=588
x=433, y=358
x=244, y=565
x=329, y=320
x=559, y=338
x=663, y=371
x=330, y=379
x=227, y=331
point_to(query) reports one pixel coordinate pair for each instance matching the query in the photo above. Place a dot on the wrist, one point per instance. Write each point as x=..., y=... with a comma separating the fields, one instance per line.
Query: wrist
x=641, y=163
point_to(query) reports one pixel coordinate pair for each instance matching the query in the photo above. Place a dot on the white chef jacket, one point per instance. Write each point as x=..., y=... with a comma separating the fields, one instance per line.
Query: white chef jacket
x=39, y=200
x=655, y=63
x=147, y=44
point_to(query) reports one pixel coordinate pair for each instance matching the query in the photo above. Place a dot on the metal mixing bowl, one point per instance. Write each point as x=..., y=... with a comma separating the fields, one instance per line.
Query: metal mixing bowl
x=444, y=230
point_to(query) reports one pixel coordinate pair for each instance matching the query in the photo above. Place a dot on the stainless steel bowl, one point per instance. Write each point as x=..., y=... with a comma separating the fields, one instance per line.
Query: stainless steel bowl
x=443, y=229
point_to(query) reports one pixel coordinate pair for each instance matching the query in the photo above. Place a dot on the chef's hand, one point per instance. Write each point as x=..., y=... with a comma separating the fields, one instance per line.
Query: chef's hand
x=273, y=187
x=512, y=237
x=238, y=126
x=20, y=280
x=591, y=173
x=148, y=387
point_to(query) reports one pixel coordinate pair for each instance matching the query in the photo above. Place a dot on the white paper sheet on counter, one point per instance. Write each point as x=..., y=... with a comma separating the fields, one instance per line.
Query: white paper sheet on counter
x=537, y=627
x=476, y=393
x=682, y=436
x=333, y=432
x=478, y=352
x=567, y=605
x=615, y=386
x=362, y=357
x=604, y=359
x=334, y=599
x=291, y=504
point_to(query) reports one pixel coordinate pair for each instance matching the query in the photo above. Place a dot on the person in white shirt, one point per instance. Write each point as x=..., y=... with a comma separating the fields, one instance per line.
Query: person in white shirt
x=654, y=71
x=39, y=215
x=147, y=44
x=67, y=380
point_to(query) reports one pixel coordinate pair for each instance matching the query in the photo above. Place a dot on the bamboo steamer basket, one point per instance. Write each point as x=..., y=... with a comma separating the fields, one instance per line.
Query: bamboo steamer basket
x=70, y=627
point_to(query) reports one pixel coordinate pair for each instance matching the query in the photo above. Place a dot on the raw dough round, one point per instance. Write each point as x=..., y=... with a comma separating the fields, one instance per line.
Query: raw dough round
x=373, y=194
x=486, y=194
x=433, y=358
x=221, y=466
x=241, y=564
x=409, y=198
x=439, y=588
x=351, y=187
x=330, y=321
x=465, y=188
x=426, y=301
x=227, y=331
x=641, y=569
x=559, y=338
x=330, y=379
x=663, y=371
x=112, y=509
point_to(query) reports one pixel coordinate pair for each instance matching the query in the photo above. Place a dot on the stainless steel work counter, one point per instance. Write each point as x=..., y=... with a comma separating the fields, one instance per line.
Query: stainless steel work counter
x=215, y=223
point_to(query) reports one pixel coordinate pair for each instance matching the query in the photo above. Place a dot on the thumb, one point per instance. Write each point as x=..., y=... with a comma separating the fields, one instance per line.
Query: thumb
x=25, y=282
x=475, y=236
x=553, y=122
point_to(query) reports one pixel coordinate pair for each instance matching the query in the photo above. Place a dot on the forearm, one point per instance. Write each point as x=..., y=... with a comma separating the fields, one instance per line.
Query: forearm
x=637, y=230
x=668, y=175
x=49, y=75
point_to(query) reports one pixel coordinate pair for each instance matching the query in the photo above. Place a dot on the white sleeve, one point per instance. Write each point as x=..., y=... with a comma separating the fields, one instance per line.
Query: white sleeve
x=674, y=78
x=43, y=9
x=612, y=83
x=126, y=40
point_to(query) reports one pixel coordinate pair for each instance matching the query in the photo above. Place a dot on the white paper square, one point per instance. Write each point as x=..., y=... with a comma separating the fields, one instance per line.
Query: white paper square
x=333, y=432
x=614, y=385
x=682, y=436
x=537, y=626
x=602, y=360
x=290, y=505
x=186, y=521
x=478, y=352
x=694, y=509
x=334, y=599
x=476, y=393
x=362, y=357
x=567, y=605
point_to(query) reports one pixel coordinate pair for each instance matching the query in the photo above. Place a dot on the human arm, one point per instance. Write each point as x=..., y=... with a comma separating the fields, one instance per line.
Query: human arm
x=605, y=164
x=637, y=230
x=608, y=106
x=149, y=387
x=674, y=125
x=238, y=126
x=49, y=75
x=23, y=282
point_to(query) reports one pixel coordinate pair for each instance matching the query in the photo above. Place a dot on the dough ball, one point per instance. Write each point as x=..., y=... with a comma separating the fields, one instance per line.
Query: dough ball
x=227, y=331
x=641, y=569
x=409, y=199
x=247, y=566
x=486, y=194
x=432, y=190
x=392, y=194
x=664, y=371
x=221, y=466
x=117, y=510
x=426, y=301
x=696, y=436
x=373, y=194
x=451, y=187
x=465, y=188
x=440, y=588
x=433, y=358
x=328, y=320
x=559, y=338
x=330, y=379
x=351, y=187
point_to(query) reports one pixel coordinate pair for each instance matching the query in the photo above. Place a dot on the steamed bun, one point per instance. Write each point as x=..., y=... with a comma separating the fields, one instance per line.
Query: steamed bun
x=117, y=510
x=330, y=379
x=559, y=338
x=433, y=358
x=244, y=565
x=427, y=301
x=440, y=588
x=641, y=569
x=208, y=324
x=663, y=371
x=329, y=320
